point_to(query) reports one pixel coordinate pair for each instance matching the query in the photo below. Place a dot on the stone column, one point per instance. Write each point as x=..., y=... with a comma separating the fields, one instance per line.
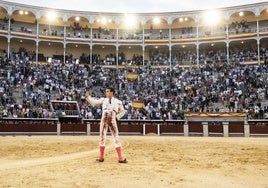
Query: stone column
x=158, y=129
x=246, y=129
x=225, y=125
x=88, y=129
x=58, y=128
x=186, y=128
x=143, y=127
x=205, y=128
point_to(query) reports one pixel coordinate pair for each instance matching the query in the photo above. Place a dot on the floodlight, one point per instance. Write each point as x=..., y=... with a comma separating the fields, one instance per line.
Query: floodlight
x=156, y=20
x=51, y=15
x=130, y=21
x=212, y=17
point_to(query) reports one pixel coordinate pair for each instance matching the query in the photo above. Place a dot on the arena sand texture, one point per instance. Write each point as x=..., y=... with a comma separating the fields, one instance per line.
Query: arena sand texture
x=154, y=161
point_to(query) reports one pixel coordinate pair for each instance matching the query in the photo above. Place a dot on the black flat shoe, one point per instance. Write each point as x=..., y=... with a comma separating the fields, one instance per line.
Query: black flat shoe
x=99, y=160
x=123, y=161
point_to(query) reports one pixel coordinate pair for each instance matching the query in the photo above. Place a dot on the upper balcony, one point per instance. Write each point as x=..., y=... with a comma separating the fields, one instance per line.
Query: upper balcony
x=31, y=22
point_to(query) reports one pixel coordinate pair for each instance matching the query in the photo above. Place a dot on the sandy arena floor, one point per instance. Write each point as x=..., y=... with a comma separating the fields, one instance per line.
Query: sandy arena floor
x=69, y=161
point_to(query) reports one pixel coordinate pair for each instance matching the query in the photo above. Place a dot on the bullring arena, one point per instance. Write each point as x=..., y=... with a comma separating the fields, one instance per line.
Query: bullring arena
x=69, y=161
x=195, y=95
x=159, y=155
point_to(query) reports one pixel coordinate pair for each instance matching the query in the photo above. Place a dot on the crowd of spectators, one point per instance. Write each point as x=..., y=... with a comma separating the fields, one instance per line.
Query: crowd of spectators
x=239, y=27
x=182, y=57
x=27, y=88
